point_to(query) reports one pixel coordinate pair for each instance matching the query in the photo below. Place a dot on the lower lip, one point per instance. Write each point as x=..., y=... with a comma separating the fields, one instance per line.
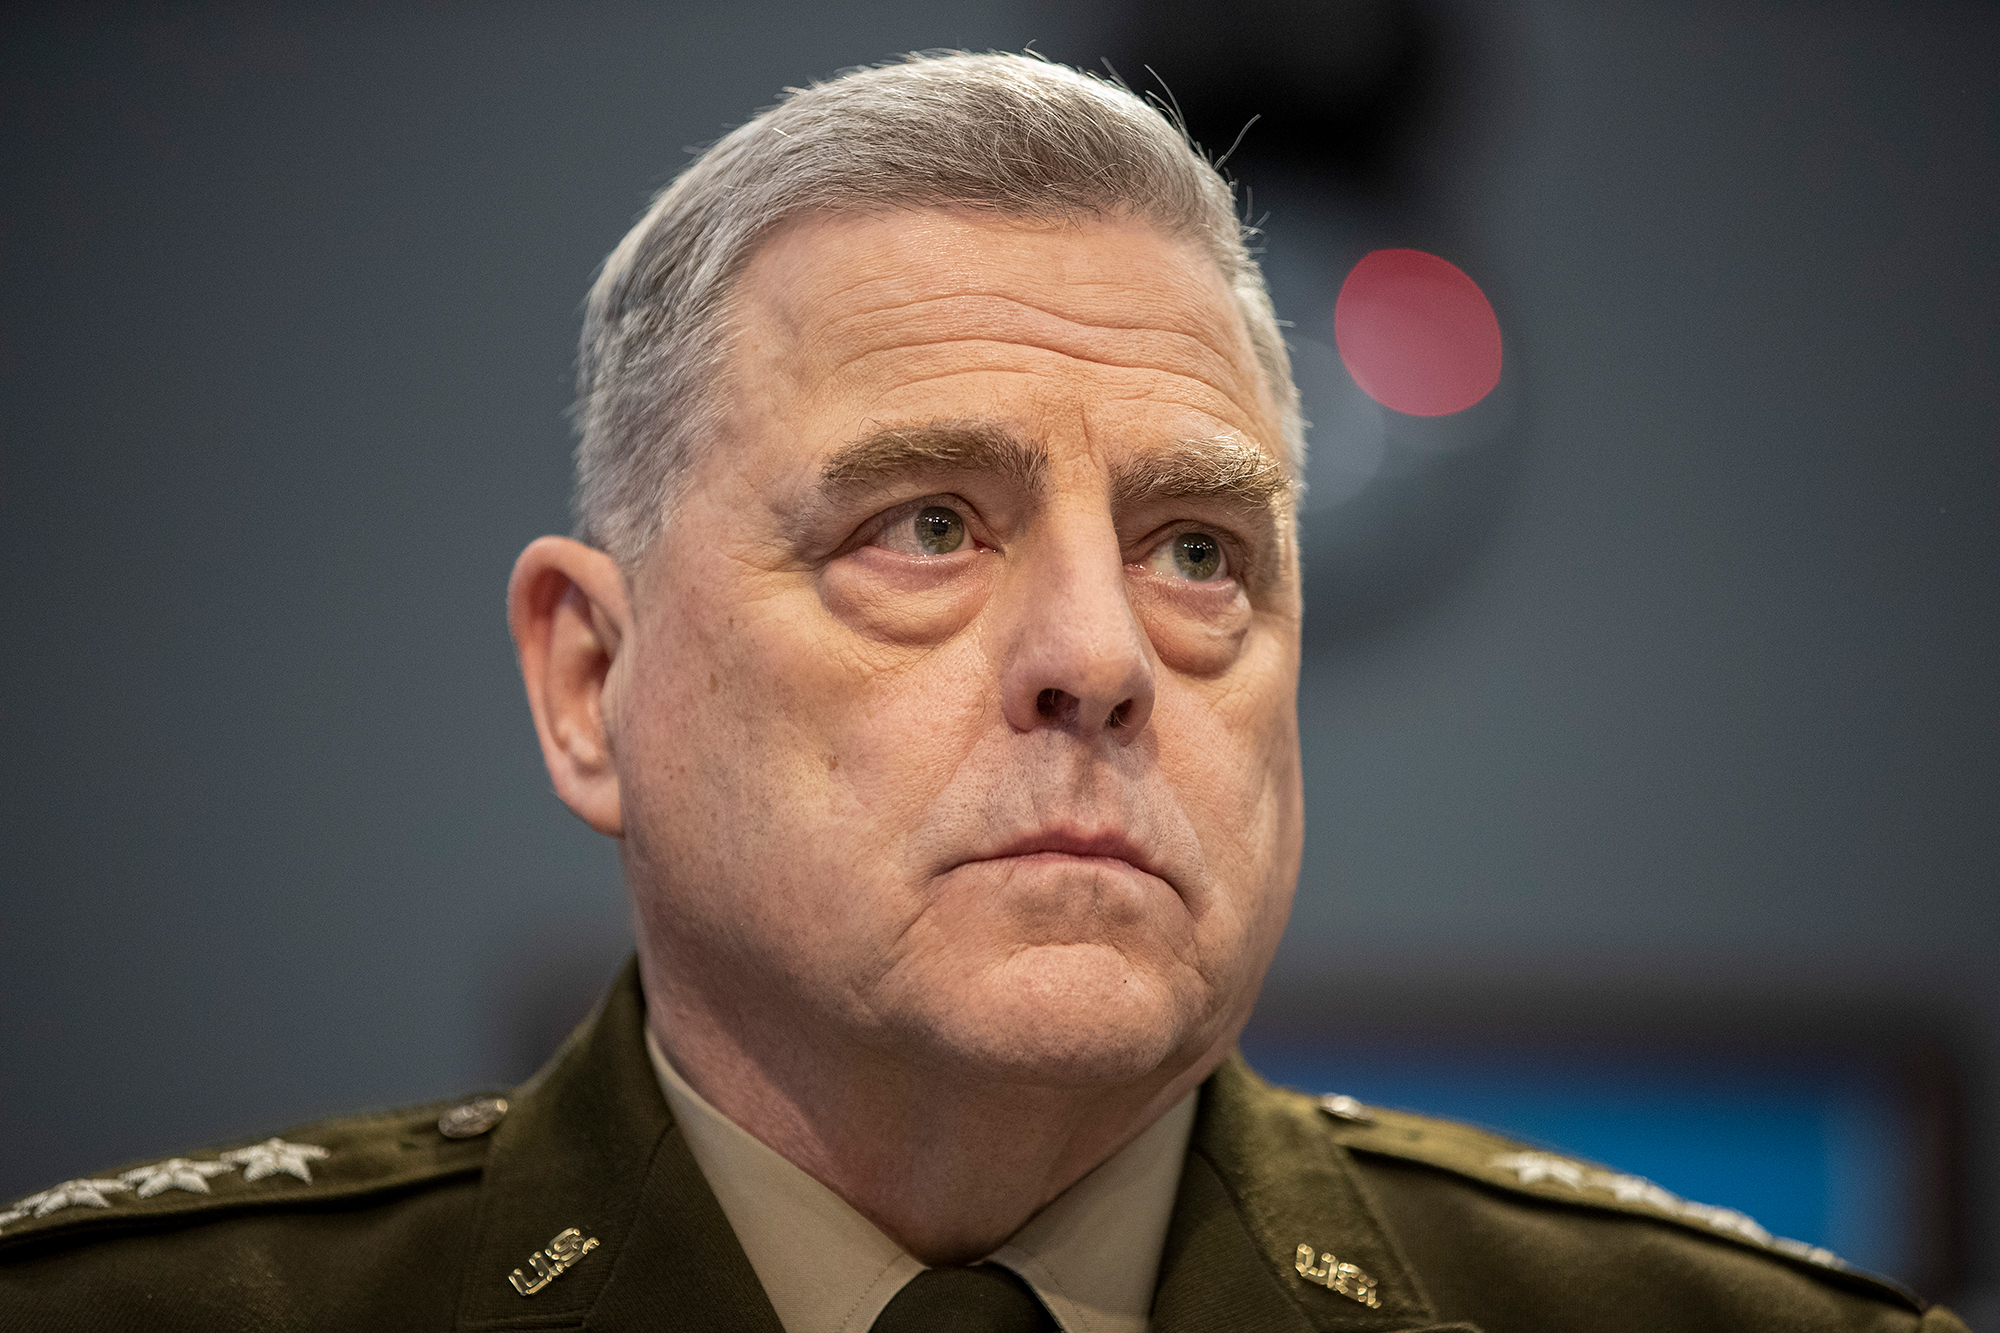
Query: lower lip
x=1051, y=887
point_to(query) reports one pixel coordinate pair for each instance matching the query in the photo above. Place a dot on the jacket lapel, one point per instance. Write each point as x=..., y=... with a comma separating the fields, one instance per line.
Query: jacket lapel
x=1264, y=1177
x=589, y=1145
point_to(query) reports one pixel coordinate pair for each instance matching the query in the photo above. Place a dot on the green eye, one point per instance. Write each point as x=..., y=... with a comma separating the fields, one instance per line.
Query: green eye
x=1197, y=556
x=939, y=531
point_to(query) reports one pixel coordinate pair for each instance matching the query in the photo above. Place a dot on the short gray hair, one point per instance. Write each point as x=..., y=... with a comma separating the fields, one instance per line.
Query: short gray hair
x=1013, y=135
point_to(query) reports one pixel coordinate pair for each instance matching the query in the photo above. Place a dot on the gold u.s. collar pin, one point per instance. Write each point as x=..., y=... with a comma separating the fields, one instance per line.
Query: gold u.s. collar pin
x=553, y=1261
x=1331, y=1273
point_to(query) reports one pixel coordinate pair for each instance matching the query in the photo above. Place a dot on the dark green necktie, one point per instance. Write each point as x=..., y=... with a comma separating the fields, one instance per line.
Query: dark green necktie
x=985, y=1298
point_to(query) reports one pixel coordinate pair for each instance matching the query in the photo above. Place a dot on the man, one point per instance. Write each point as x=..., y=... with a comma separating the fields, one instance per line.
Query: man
x=930, y=647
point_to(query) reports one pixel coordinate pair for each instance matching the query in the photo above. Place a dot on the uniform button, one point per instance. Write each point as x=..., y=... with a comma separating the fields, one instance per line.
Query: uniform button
x=468, y=1120
x=1345, y=1108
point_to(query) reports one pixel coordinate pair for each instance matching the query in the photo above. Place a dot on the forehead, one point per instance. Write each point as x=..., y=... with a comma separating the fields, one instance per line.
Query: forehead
x=1105, y=330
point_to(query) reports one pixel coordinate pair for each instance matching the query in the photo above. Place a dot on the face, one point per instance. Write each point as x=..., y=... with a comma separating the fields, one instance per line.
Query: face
x=956, y=717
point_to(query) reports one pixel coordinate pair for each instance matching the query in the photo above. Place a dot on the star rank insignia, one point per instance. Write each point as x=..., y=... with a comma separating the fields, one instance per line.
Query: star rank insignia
x=1636, y=1189
x=274, y=1156
x=1727, y=1219
x=70, y=1194
x=1534, y=1167
x=176, y=1173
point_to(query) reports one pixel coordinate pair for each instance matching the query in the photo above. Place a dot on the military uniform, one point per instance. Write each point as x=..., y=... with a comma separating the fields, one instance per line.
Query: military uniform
x=574, y=1202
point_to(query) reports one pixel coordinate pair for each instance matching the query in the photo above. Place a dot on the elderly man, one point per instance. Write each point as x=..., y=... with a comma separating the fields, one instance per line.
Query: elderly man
x=930, y=647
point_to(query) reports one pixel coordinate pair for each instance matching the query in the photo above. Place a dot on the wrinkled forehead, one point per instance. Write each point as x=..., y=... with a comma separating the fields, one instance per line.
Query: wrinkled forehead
x=875, y=306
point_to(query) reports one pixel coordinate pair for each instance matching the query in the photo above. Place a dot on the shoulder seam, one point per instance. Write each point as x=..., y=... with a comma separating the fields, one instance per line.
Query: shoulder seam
x=1508, y=1165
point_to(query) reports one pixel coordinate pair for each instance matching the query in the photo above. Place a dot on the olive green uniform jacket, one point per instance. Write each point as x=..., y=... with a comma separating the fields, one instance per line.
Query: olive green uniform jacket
x=1289, y=1220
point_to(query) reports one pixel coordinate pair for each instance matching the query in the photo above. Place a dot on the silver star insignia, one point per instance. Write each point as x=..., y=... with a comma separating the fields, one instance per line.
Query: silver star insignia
x=1815, y=1254
x=274, y=1155
x=1727, y=1219
x=1636, y=1189
x=176, y=1173
x=1534, y=1167
x=69, y=1194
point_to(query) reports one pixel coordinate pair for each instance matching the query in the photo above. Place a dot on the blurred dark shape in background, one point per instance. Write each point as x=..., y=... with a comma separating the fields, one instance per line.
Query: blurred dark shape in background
x=1338, y=88
x=1648, y=708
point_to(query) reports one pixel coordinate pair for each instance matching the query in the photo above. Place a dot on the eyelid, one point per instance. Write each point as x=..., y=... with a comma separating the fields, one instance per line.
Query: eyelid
x=871, y=531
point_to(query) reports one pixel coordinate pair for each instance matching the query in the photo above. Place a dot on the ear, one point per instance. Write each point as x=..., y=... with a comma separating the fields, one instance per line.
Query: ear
x=569, y=612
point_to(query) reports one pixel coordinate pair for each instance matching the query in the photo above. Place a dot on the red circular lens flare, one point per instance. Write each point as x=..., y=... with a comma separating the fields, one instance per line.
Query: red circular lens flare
x=1416, y=333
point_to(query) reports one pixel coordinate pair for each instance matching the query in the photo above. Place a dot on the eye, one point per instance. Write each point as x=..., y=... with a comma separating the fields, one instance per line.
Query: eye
x=931, y=530
x=1194, y=556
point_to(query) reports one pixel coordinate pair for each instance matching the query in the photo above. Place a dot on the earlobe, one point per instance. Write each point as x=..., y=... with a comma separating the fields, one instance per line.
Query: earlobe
x=570, y=616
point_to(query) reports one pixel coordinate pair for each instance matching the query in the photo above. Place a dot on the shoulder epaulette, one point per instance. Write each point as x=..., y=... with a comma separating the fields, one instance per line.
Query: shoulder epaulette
x=328, y=1160
x=1519, y=1168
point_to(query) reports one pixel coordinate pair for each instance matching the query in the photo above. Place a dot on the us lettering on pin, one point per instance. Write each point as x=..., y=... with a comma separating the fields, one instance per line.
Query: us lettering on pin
x=552, y=1261
x=1347, y=1279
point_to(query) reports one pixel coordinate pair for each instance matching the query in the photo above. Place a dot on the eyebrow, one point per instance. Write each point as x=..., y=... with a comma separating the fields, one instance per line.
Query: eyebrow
x=1222, y=468
x=940, y=446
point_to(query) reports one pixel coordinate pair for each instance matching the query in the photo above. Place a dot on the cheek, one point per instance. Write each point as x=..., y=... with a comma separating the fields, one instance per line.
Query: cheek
x=729, y=683
x=773, y=728
x=763, y=767
x=1230, y=749
x=902, y=755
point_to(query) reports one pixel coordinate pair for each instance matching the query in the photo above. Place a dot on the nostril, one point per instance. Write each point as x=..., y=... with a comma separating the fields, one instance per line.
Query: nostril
x=1066, y=709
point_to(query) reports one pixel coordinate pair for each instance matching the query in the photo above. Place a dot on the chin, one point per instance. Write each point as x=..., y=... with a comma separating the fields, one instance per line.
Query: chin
x=1068, y=1015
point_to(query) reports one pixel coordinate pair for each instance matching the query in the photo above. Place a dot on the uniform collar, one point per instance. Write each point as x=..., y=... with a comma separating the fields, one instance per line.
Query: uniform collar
x=591, y=1145
x=1092, y=1255
x=1264, y=1180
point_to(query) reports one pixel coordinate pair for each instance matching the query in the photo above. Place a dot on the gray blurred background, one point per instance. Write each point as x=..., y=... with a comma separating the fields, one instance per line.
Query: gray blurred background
x=1649, y=707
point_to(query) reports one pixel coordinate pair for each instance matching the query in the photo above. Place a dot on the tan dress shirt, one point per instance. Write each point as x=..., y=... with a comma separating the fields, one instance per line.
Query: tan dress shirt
x=1092, y=1255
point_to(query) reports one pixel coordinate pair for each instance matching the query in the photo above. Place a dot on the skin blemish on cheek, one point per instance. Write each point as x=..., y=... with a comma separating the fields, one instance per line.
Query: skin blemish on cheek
x=714, y=685
x=832, y=762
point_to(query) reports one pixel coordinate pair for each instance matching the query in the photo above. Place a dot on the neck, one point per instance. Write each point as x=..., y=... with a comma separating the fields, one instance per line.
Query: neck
x=948, y=1164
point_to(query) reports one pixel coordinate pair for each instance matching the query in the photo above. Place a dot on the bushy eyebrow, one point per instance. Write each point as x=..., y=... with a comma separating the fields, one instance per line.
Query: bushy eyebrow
x=1223, y=468
x=940, y=446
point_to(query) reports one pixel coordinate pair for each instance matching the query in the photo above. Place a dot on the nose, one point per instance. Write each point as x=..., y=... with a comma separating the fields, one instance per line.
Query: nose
x=1076, y=657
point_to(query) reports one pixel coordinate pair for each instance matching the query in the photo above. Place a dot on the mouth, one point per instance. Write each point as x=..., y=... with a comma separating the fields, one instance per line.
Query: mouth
x=1109, y=848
